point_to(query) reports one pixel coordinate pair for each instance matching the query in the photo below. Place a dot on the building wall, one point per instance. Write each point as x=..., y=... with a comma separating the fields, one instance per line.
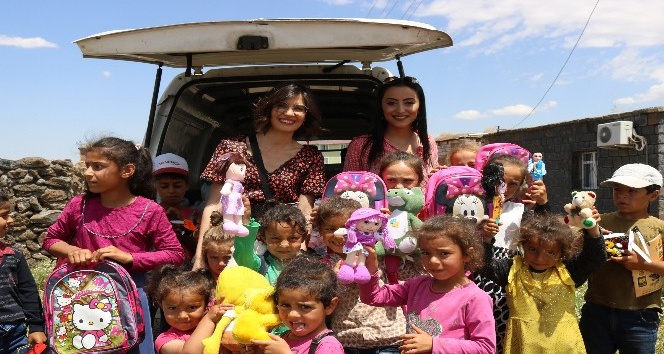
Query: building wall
x=561, y=145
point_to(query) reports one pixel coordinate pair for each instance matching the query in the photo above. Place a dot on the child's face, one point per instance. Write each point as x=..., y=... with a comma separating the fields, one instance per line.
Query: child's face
x=302, y=313
x=282, y=241
x=400, y=175
x=218, y=257
x=632, y=202
x=327, y=229
x=103, y=175
x=5, y=219
x=541, y=255
x=443, y=259
x=171, y=190
x=513, y=176
x=463, y=158
x=183, y=310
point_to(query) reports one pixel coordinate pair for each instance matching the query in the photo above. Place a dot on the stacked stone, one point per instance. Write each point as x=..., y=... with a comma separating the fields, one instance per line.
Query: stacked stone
x=40, y=189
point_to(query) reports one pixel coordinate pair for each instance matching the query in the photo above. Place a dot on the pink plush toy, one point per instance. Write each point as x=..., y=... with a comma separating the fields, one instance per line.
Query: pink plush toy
x=364, y=227
x=233, y=167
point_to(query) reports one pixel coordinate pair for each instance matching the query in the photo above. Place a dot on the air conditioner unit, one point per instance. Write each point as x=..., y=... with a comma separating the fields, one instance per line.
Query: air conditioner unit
x=614, y=134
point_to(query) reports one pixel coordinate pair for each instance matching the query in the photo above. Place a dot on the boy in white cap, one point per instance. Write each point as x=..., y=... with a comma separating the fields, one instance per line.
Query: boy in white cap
x=613, y=317
x=171, y=174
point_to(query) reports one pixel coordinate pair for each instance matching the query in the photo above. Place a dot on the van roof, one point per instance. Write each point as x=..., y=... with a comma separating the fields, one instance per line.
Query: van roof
x=266, y=41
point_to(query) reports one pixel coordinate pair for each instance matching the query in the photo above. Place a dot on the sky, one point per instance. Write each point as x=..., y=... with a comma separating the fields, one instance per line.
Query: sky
x=506, y=61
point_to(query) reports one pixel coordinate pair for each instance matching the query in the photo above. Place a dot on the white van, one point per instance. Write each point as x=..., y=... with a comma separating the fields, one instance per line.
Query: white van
x=227, y=66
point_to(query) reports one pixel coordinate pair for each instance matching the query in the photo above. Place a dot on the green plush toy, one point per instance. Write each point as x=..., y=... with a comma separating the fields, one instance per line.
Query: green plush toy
x=404, y=204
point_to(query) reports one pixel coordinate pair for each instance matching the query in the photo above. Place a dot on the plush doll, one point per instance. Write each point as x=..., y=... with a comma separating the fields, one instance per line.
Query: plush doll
x=254, y=313
x=404, y=204
x=365, y=226
x=579, y=211
x=233, y=168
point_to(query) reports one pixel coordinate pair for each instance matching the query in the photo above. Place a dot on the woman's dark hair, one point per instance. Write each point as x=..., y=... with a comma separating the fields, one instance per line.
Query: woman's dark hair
x=334, y=206
x=375, y=144
x=312, y=121
x=550, y=228
x=309, y=275
x=4, y=197
x=277, y=212
x=169, y=278
x=412, y=161
x=124, y=152
x=461, y=231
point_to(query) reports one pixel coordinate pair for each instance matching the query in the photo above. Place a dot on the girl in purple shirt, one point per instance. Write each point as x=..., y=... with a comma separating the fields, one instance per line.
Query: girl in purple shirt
x=116, y=219
x=445, y=311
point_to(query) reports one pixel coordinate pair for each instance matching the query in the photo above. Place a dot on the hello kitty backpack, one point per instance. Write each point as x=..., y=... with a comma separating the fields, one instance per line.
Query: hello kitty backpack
x=92, y=309
x=455, y=190
x=365, y=187
x=487, y=151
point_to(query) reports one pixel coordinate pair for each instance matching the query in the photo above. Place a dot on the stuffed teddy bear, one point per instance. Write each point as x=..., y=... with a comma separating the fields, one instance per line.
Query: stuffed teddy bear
x=579, y=211
x=404, y=204
x=254, y=312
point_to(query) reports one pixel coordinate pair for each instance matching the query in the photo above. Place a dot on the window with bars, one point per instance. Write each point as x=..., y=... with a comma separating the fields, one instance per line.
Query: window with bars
x=589, y=170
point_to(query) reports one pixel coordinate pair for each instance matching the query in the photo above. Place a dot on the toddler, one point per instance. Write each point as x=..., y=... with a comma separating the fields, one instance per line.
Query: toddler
x=462, y=154
x=217, y=246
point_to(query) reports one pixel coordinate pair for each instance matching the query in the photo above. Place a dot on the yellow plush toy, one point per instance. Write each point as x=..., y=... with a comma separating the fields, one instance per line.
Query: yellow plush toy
x=254, y=312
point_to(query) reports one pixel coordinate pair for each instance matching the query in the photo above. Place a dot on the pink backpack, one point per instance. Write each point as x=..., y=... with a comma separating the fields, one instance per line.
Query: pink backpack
x=456, y=190
x=92, y=309
x=489, y=150
x=365, y=187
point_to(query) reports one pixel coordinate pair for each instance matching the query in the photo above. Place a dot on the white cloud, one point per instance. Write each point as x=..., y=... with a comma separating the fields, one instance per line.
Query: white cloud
x=514, y=110
x=106, y=73
x=537, y=77
x=470, y=114
x=655, y=92
x=338, y=2
x=25, y=43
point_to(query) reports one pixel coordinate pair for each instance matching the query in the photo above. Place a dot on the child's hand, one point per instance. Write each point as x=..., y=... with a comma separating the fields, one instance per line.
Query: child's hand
x=371, y=262
x=36, y=337
x=114, y=253
x=80, y=256
x=630, y=260
x=246, y=218
x=386, y=211
x=536, y=194
x=420, y=342
x=595, y=231
x=489, y=229
x=275, y=346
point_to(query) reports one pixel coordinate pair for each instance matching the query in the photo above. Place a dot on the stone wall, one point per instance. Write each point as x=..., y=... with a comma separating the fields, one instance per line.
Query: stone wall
x=40, y=189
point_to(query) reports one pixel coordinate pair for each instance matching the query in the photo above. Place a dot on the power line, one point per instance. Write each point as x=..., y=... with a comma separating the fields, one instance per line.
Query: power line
x=415, y=10
x=387, y=11
x=562, y=68
x=408, y=9
x=372, y=7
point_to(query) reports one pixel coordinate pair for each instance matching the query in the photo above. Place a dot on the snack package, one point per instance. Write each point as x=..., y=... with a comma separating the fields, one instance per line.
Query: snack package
x=616, y=244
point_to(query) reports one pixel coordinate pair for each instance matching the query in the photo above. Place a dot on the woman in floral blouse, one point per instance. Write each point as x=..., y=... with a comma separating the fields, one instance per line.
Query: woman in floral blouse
x=295, y=172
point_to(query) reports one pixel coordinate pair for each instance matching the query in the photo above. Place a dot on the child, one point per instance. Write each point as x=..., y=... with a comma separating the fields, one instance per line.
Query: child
x=401, y=170
x=463, y=154
x=20, y=306
x=182, y=296
x=613, y=317
x=541, y=284
x=282, y=229
x=217, y=246
x=360, y=328
x=515, y=177
x=171, y=174
x=306, y=293
x=446, y=312
x=117, y=220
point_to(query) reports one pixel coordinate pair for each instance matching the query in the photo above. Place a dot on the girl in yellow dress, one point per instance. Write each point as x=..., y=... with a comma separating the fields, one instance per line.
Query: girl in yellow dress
x=541, y=284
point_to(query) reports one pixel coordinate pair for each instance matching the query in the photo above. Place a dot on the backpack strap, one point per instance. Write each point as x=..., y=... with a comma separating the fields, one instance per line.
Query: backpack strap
x=318, y=339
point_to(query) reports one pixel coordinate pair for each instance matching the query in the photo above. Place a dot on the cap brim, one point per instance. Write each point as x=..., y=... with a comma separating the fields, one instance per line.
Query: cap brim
x=628, y=181
x=171, y=170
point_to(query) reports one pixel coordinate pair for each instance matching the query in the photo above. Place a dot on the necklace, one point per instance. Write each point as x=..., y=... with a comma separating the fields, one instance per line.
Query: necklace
x=145, y=210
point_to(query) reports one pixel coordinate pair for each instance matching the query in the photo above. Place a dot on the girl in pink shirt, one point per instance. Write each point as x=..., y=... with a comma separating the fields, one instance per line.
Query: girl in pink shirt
x=446, y=312
x=116, y=219
x=306, y=293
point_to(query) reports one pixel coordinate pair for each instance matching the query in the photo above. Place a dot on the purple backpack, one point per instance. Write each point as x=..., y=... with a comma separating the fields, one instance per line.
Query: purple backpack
x=365, y=187
x=92, y=309
x=456, y=190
